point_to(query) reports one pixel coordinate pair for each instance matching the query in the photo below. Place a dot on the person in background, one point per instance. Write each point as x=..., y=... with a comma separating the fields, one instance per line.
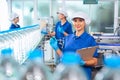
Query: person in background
x=14, y=19
x=62, y=27
x=78, y=40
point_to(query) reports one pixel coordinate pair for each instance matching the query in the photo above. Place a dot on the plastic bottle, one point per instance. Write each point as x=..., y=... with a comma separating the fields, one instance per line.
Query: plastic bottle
x=111, y=69
x=8, y=66
x=69, y=68
x=35, y=69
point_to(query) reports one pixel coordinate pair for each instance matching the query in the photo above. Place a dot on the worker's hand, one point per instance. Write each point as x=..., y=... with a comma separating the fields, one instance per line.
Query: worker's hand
x=54, y=43
x=60, y=29
x=71, y=57
x=82, y=62
x=44, y=32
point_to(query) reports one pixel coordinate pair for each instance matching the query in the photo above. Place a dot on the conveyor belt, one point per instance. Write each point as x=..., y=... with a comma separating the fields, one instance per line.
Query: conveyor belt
x=107, y=39
x=112, y=46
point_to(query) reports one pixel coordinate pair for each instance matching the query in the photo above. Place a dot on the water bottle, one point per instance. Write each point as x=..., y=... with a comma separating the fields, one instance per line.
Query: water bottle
x=8, y=66
x=111, y=69
x=69, y=68
x=34, y=68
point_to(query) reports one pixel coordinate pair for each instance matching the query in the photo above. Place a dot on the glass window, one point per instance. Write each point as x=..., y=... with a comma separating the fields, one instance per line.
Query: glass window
x=43, y=8
x=48, y=8
x=25, y=10
x=101, y=14
x=119, y=14
x=4, y=22
x=55, y=7
x=119, y=9
x=28, y=13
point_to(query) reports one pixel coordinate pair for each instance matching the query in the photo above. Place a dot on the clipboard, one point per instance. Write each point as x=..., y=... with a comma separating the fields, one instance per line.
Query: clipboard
x=87, y=53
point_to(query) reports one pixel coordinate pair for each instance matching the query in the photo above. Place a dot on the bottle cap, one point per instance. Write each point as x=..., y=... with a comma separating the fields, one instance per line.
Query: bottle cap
x=70, y=58
x=7, y=51
x=112, y=61
x=37, y=53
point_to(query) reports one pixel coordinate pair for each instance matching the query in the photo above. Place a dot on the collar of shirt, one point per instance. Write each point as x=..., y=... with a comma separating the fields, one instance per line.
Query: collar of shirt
x=63, y=24
x=83, y=35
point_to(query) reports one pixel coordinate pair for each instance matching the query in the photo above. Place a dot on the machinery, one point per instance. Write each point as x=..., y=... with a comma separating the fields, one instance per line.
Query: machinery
x=50, y=57
x=108, y=42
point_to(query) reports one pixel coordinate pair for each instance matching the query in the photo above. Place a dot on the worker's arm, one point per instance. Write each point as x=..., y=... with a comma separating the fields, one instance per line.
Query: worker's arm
x=51, y=33
x=54, y=45
x=62, y=31
x=65, y=34
x=91, y=62
x=59, y=52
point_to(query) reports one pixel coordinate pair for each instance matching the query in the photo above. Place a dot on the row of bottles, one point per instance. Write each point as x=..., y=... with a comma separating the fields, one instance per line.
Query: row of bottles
x=32, y=69
x=111, y=69
x=21, y=41
x=9, y=68
x=69, y=69
x=35, y=69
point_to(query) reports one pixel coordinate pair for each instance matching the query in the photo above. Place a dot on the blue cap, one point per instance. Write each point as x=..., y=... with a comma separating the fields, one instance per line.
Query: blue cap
x=112, y=61
x=70, y=58
x=7, y=51
x=37, y=53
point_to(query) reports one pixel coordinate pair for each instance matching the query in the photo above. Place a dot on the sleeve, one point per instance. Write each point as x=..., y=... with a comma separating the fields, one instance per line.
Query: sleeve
x=12, y=26
x=69, y=29
x=18, y=26
x=56, y=25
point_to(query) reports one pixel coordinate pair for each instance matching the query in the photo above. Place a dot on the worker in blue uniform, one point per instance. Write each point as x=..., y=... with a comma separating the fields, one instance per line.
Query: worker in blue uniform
x=62, y=28
x=14, y=19
x=78, y=40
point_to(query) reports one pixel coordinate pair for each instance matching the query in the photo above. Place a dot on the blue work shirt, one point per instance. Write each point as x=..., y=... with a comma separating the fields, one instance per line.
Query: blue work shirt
x=14, y=26
x=73, y=43
x=67, y=27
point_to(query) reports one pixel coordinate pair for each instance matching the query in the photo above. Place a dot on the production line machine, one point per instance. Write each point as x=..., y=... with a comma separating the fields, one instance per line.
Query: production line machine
x=49, y=55
x=108, y=42
x=107, y=45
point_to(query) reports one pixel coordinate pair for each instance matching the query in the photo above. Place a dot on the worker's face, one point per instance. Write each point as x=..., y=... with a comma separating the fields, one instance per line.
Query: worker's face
x=16, y=20
x=79, y=24
x=61, y=16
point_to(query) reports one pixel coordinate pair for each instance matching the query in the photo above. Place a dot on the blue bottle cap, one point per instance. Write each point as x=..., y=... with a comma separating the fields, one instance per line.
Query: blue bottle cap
x=70, y=58
x=112, y=61
x=6, y=51
x=37, y=53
